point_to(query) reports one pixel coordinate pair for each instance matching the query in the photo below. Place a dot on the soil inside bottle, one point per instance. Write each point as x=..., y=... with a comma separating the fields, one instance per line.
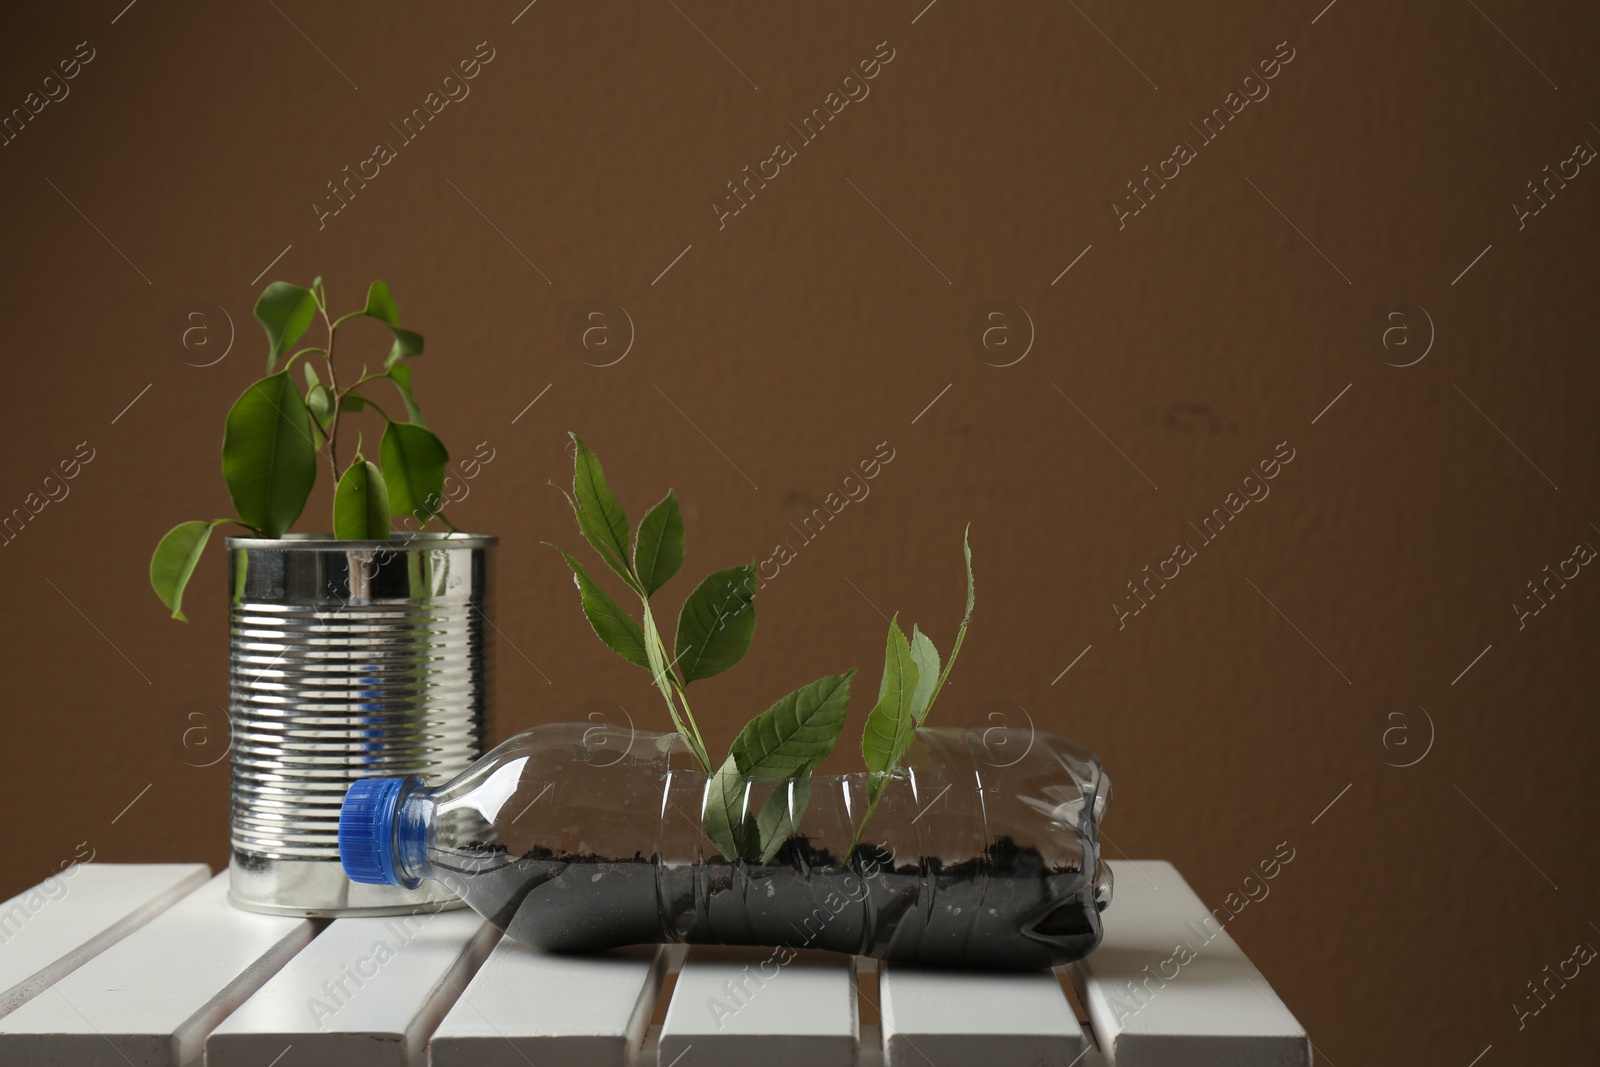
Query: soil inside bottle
x=1003, y=909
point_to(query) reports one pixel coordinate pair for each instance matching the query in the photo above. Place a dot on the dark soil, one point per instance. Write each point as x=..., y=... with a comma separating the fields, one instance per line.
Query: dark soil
x=1003, y=909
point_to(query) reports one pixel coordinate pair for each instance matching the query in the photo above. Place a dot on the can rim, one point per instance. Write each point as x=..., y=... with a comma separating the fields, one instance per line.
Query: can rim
x=326, y=542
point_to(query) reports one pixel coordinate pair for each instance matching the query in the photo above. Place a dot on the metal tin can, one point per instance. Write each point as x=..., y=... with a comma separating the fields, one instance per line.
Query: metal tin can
x=348, y=659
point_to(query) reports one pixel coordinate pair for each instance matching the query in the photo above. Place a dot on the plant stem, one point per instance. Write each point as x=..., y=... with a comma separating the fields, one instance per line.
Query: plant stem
x=684, y=698
x=365, y=378
x=667, y=682
x=303, y=352
x=333, y=388
x=855, y=839
x=955, y=650
x=681, y=689
x=367, y=402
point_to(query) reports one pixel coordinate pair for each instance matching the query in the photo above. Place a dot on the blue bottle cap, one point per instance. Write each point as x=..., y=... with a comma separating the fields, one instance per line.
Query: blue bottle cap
x=366, y=831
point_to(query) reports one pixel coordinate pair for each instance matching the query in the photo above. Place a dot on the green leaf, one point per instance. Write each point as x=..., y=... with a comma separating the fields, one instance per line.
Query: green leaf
x=717, y=623
x=780, y=815
x=926, y=657
x=619, y=567
x=380, y=305
x=972, y=592
x=320, y=405
x=797, y=733
x=890, y=725
x=284, y=311
x=354, y=402
x=361, y=504
x=413, y=469
x=174, y=560
x=658, y=548
x=268, y=458
x=724, y=816
x=600, y=517
x=320, y=401
x=611, y=624
x=407, y=343
x=400, y=374
x=961, y=632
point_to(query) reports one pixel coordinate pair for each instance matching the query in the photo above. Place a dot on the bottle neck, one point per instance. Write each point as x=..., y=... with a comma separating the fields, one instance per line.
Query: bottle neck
x=413, y=829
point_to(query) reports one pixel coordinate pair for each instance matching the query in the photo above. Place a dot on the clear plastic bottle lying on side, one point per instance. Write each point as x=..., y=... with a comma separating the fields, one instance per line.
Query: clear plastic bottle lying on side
x=983, y=850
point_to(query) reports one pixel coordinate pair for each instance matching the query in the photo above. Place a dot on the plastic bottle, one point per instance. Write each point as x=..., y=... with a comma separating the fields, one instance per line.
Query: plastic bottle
x=983, y=849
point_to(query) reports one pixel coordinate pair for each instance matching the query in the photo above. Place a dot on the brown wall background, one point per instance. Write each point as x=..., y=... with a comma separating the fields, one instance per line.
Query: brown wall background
x=1258, y=687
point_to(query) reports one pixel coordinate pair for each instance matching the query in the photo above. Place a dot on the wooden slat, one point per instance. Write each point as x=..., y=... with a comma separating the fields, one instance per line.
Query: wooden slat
x=870, y=1053
x=50, y=930
x=935, y=1018
x=742, y=1007
x=366, y=993
x=151, y=998
x=1169, y=988
x=526, y=1006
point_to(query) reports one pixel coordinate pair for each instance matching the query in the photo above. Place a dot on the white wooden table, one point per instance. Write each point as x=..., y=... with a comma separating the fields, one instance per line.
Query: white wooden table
x=109, y=964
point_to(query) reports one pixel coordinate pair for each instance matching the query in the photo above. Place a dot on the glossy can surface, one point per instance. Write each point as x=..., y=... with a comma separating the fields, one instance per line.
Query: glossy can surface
x=348, y=659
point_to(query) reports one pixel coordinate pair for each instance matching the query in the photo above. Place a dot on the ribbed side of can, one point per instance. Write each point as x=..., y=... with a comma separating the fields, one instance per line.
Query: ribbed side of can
x=350, y=659
x=321, y=697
